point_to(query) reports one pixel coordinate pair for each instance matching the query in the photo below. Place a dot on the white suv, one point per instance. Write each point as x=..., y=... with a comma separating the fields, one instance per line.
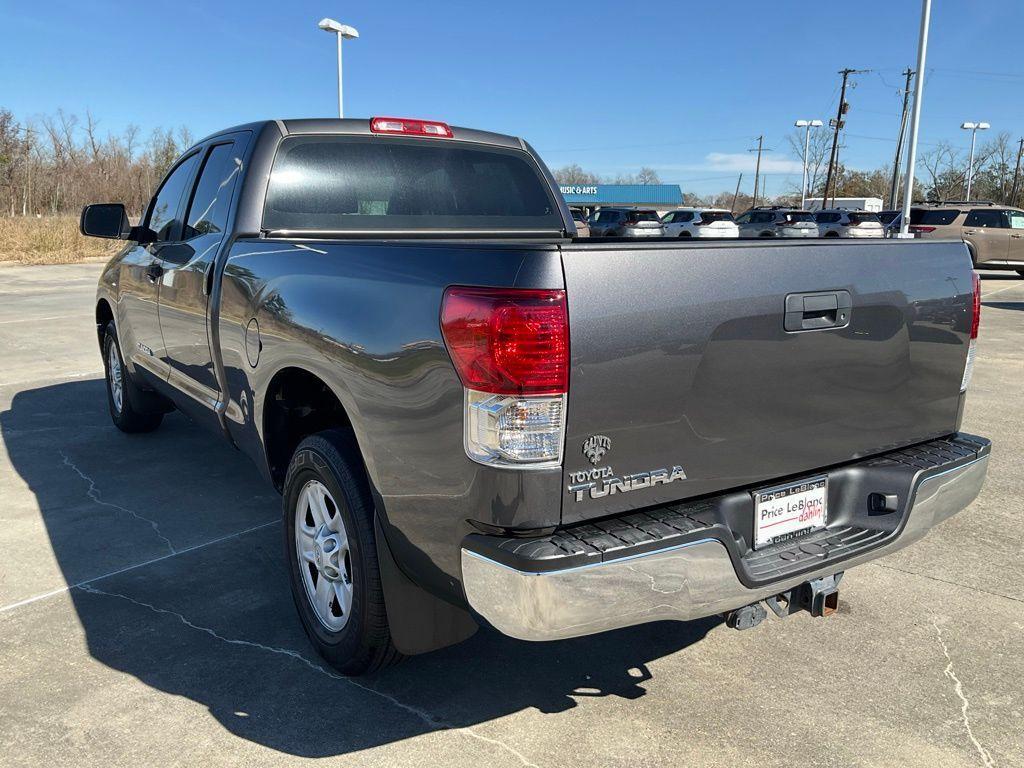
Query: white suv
x=837, y=222
x=700, y=222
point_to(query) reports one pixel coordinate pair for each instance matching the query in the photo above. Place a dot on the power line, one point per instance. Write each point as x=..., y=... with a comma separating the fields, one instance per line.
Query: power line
x=644, y=146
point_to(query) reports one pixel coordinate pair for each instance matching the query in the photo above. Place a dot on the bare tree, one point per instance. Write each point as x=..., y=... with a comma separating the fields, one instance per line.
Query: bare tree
x=574, y=174
x=817, y=156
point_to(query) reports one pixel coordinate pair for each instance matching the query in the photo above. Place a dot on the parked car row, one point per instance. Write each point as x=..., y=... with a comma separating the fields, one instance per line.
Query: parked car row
x=765, y=221
x=994, y=234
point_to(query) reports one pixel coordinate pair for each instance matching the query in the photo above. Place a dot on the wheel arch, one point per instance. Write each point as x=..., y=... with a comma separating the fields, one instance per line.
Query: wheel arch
x=104, y=316
x=298, y=403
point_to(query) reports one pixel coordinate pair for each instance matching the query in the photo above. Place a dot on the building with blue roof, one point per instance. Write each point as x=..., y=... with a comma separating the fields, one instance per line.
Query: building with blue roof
x=661, y=197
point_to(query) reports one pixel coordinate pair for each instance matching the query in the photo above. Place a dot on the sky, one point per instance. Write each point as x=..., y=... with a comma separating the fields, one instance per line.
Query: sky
x=683, y=87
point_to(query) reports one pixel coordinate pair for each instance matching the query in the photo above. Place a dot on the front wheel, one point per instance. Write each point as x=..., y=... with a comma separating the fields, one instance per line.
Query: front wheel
x=1020, y=272
x=332, y=556
x=121, y=390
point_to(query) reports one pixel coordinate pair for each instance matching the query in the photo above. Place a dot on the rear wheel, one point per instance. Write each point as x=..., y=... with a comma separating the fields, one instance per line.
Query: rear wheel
x=684, y=233
x=331, y=549
x=767, y=234
x=1020, y=272
x=122, y=392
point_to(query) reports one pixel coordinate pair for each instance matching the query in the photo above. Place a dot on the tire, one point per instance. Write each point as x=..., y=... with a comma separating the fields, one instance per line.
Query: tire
x=122, y=393
x=324, y=477
x=831, y=234
x=766, y=234
x=684, y=233
x=1020, y=272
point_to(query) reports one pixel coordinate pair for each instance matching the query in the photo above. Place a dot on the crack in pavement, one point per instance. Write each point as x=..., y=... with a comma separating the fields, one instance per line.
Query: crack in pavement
x=94, y=494
x=425, y=717
x=958, y=688
x=968, y=587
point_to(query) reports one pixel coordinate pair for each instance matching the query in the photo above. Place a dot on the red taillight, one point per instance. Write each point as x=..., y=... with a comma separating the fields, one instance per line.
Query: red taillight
x=920, y=228
x=507, y=341
x=408, y=126
x=976, y=316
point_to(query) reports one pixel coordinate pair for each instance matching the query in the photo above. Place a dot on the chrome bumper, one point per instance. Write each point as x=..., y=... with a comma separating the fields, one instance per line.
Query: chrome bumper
x=686, y=582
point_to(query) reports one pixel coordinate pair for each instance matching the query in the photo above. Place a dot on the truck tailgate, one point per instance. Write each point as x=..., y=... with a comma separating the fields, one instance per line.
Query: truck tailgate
x=681, y=358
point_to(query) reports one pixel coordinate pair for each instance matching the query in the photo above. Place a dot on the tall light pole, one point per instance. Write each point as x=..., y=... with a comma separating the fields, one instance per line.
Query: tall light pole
x=915, y=121
x=806, y=125
x=973, y=128
x=342, y=31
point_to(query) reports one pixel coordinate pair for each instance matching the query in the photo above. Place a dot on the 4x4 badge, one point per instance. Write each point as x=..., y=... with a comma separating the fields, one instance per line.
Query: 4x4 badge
x=595, y=447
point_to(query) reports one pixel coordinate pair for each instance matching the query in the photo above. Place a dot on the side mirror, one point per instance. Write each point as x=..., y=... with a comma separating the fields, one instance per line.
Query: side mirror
x=109, y=220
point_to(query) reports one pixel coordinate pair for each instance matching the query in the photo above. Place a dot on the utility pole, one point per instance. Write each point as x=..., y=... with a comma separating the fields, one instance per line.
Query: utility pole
x=736, y=195
x=894, y=188
x=1016, y=173
x=837, y=125
x=757, y=168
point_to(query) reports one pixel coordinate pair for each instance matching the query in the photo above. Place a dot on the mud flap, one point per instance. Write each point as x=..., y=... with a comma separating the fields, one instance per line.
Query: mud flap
x=420, y=622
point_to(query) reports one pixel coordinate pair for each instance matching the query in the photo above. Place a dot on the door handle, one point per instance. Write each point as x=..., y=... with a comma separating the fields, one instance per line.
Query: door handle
x=154, y=272
x=818, y=311
x=1016, y=237
x=971, y=232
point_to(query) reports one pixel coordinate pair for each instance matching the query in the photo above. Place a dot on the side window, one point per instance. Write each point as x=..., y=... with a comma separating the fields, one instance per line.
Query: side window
x=683, y=217
x=208, y=211
x=743, y=219
x=165, y=211
x=1016, y=219
x=985, y=217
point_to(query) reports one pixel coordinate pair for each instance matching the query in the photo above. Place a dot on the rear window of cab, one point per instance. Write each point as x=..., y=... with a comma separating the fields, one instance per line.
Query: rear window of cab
x=371, y=184
x=933, y=217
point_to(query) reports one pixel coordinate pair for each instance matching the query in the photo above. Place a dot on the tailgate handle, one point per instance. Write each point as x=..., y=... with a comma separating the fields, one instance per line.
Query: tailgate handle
x=818, y=310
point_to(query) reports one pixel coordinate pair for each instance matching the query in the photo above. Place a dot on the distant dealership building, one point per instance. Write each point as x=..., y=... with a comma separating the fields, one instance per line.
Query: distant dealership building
x=661, y=197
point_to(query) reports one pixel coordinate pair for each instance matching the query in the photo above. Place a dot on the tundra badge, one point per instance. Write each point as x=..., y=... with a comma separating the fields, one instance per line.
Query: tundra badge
x=603, y=481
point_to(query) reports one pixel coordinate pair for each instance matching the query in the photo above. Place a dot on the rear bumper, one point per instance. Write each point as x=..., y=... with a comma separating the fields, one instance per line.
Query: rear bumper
x=692, y=572
x=712, y=232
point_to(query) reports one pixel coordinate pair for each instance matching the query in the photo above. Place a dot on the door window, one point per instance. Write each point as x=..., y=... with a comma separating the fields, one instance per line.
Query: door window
x=985, y=217
x=1016, y=219
x=208, y=211
x=165, y=210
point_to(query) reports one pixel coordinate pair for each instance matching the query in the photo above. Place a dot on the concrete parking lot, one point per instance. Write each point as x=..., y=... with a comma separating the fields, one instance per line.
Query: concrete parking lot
x=145, y=616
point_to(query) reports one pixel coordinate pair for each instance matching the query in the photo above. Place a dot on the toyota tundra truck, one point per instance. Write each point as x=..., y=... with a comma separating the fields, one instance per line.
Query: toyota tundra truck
x=475, y=417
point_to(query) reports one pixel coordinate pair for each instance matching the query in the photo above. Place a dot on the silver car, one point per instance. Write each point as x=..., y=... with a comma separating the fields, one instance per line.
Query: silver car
x=626, y=222
x=777, y=222
x=839, y=222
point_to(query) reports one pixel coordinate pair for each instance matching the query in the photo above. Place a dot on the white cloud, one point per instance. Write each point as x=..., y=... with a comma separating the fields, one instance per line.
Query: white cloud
x=736, y=162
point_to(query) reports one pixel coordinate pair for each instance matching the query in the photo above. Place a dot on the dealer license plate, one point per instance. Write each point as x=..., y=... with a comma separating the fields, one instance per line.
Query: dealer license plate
x=788, y=511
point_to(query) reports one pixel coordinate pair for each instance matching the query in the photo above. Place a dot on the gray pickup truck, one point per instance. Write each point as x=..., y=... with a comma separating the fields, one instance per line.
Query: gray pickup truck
x=475, y=417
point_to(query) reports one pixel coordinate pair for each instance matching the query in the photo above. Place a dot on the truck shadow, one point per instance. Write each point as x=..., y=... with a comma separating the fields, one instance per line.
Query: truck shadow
x=174, y=542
